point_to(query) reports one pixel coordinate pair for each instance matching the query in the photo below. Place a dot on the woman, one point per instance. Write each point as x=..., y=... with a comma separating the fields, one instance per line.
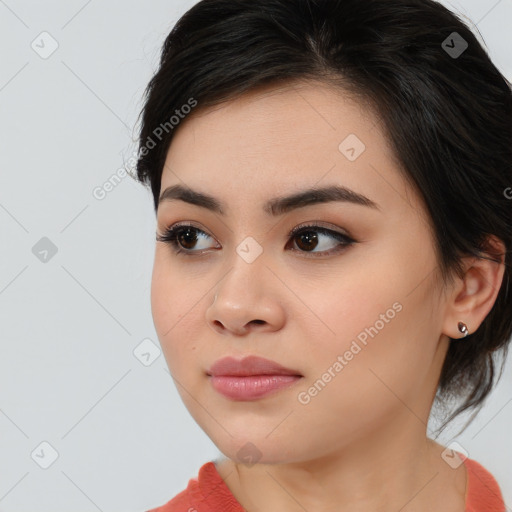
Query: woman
x=333, y=248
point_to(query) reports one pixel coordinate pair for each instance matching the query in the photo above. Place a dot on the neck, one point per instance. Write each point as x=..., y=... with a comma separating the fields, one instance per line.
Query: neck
x=401, y=473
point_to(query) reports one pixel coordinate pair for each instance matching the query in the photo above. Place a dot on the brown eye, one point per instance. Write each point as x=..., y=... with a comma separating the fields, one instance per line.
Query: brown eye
x=187, y=236
x=184, y=238
x=307, y=239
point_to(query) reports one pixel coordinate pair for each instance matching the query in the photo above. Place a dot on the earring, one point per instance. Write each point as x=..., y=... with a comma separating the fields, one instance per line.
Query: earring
x=463, y=328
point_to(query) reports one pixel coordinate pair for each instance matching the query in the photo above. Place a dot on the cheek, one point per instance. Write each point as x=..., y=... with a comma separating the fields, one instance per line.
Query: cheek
x=351, y=300
x=175, y=309
x=167, y=299
x=365, y=374
x=371, y=314
x=160, y=298
x=170, y=292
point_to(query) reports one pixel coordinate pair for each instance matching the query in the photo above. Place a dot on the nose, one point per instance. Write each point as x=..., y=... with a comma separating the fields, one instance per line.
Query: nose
x=246, y=300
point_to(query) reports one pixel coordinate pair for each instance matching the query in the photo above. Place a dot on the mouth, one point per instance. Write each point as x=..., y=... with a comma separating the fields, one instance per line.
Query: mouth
x=249, y=366
x=251, y=378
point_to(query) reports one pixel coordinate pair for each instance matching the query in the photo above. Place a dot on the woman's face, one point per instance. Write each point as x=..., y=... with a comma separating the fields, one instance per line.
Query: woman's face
x=361, y=322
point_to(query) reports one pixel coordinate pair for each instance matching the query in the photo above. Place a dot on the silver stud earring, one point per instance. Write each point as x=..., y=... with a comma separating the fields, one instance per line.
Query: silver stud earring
x=463, y=328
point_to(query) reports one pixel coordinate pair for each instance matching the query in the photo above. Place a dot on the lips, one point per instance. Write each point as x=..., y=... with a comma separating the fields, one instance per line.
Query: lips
x=251, y=378
x=249, y=366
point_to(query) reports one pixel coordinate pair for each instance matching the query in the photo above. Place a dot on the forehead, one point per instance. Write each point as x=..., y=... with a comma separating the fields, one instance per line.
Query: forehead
x=274, y=140
x=294, y=113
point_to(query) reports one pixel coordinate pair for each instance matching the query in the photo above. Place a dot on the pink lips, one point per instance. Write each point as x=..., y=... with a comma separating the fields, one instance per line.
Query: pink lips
x=250, y=378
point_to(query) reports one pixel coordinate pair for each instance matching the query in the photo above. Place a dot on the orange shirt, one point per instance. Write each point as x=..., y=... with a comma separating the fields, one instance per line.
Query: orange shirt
x=209, y=493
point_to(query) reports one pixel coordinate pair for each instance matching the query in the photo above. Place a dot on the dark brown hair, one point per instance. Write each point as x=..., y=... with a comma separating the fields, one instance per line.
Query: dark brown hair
x=446, y=109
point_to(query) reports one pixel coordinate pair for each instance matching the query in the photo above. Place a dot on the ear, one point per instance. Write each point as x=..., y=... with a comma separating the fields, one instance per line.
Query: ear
x=473, y=296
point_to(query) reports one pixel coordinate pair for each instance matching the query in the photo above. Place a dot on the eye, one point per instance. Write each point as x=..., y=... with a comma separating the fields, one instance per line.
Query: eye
x=181, y=237
x=184, y=237
x=308, y=238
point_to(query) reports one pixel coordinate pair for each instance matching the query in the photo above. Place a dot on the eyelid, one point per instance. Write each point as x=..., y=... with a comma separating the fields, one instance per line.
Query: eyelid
x=185, y=224
x=320, y=224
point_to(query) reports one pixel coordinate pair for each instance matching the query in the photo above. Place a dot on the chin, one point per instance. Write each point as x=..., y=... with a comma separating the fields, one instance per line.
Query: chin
x=258, y=450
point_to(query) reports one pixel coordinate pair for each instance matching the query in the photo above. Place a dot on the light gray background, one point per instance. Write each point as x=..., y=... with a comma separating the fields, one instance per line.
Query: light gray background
x=68, y=374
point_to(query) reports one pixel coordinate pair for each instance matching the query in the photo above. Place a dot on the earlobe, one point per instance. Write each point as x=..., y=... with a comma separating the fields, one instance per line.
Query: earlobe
x=474, y=296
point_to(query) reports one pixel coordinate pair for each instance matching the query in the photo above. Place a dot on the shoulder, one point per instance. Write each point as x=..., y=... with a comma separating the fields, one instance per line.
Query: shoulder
x=205, y=493
x=181, y=502
x=185, y=500
x=483, y=491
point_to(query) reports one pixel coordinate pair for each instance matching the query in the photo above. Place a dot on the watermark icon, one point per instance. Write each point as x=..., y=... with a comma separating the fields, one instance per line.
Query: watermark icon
x=304, y=397
x=352, y=147
x=249, y=454
x=454, y=45
x=147, y=352
x=508, y=192
x=44, y=455
x=45, y=45
x=454, y=455
x=249, y=249
x=44, y=250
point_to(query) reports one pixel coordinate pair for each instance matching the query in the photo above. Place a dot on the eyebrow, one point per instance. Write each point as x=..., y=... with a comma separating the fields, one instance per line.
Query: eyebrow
x=276, y=206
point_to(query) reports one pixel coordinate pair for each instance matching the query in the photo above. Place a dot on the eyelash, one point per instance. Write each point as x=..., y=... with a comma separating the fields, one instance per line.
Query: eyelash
x=170, y=237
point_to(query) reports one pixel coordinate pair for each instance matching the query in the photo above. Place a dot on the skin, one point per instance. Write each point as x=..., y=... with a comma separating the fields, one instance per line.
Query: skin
x=361, y=443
